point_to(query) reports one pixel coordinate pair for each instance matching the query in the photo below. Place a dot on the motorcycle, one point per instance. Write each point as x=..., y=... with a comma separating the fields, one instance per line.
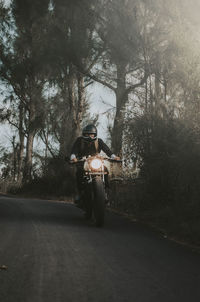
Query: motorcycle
x=95, y=186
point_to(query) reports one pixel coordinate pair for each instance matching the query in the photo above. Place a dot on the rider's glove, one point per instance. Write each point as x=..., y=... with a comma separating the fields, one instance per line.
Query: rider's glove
x=73, y=157
x=113, y=156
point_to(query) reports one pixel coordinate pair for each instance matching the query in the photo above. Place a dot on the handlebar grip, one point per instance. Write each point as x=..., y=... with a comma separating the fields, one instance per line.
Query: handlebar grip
x=116, y=160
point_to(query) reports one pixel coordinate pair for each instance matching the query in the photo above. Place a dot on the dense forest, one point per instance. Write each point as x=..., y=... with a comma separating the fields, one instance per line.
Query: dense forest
x=146, y=51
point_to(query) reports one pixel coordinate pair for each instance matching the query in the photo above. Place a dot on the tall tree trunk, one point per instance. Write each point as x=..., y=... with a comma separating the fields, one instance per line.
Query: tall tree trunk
x=121, y=100
x=21, y=144
x=77, y=100
x=81, y=103
x=29, y=144
x=146, y=96
x=69, y=114
x=29, y=155
x=157, y=92
x=63, y=139
x=14, y=159
x=72, y=117
x=157, y=95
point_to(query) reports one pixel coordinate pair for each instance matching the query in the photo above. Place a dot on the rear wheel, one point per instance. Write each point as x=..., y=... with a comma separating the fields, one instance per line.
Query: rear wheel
x=99, y=201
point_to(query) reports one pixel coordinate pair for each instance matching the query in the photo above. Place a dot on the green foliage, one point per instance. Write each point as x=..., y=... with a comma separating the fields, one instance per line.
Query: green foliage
x=6, y=163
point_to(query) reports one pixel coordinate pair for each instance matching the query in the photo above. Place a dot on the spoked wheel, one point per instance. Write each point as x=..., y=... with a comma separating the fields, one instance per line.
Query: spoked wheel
x=99, y=202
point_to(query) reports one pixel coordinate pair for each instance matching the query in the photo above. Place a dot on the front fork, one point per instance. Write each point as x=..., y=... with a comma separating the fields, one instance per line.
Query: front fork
x=90, y=178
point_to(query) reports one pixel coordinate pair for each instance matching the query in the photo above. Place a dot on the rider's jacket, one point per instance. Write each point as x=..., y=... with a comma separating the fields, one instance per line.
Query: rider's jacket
x=81, y=147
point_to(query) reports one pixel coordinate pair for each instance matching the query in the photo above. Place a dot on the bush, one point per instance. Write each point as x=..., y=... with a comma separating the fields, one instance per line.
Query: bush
x=170, y=153
x=169, y=150
x=57, y=180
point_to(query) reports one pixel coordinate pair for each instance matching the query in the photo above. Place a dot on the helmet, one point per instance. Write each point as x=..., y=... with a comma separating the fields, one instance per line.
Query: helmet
x=89, y=129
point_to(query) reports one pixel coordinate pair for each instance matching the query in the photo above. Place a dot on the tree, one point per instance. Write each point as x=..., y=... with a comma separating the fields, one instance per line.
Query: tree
x=121, y=66
x=21, y=70
x=70, y=44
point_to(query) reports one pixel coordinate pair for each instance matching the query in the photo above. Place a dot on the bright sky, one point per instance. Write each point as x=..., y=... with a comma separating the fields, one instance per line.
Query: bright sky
x=102, y=99
x=7, y=2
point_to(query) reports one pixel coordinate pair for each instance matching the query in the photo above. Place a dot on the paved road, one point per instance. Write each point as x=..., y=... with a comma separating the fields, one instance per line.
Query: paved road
x=53, y=255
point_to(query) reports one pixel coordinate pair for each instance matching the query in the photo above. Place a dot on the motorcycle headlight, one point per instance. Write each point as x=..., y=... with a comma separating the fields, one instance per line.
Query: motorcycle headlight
x=96, y=164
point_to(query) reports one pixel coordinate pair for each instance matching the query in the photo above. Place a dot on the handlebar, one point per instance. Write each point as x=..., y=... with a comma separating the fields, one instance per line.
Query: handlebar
x=84, y=159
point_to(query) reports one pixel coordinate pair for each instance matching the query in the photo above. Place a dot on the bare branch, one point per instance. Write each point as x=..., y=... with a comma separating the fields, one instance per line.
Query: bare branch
x=133, y=87
x=88, y=84
x=45, y=141
x=96, y=79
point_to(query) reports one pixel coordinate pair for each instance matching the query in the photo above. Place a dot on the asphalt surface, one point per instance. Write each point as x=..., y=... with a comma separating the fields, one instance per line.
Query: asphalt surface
x=48, y=252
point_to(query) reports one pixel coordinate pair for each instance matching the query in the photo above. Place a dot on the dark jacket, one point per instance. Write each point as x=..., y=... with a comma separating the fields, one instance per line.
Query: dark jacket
x=82, y=147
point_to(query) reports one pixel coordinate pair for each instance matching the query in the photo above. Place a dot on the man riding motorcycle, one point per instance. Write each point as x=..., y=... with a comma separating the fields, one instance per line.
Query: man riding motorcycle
x=85, y=145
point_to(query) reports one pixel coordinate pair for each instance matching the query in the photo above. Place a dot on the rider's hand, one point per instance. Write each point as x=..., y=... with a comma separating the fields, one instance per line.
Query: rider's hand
x=114, y=157
x=117, y=158
x=73, y=158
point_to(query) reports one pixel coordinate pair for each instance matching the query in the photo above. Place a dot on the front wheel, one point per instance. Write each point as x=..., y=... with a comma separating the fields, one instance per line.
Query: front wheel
x=88, y=202
x=99, y=201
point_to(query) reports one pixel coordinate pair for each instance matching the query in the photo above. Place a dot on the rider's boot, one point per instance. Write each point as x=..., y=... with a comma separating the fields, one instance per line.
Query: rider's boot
x=78, y=201
x=107, y=196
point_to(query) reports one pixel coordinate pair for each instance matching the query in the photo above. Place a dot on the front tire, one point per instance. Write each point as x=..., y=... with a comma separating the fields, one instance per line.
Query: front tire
x=99, y=201
x=88, y=202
